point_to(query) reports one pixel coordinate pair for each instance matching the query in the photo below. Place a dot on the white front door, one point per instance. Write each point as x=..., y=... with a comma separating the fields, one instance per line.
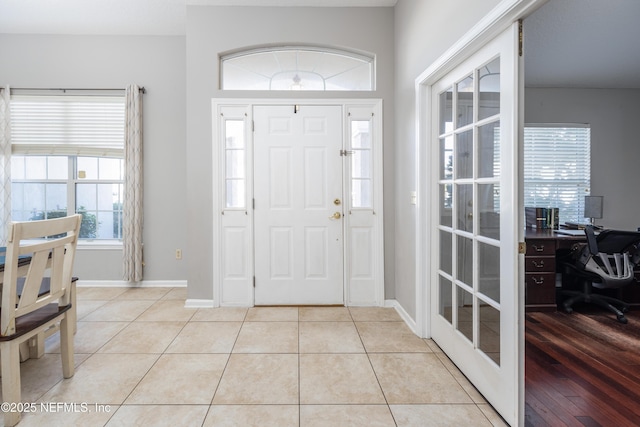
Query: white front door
x=298, y=210
x=475, y=315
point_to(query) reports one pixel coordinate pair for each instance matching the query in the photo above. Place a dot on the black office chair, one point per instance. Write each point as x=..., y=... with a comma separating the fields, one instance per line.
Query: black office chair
x=605, y=262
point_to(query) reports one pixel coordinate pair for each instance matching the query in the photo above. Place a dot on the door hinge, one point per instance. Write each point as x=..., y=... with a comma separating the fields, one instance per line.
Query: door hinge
x=254, y=281
x=522, y=248
x=345, y=152
x=253, y=204
x=253, y=126
x=520, y=37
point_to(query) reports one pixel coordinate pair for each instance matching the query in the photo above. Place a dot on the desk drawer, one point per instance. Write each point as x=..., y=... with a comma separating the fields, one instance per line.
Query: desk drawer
x=535, y=264
x=540, y=288
x=536, y=247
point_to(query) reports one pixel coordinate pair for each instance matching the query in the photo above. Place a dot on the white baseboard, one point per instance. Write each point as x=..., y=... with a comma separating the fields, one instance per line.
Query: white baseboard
x=403, y=314
x=125, y=284
x=199, y=303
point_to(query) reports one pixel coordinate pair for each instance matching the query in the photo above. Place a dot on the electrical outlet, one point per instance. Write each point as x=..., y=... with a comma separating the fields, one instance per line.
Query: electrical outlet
x=178, y=253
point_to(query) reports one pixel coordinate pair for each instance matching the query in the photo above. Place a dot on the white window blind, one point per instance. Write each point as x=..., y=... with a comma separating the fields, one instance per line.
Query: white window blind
x=557, y=168
x=67, y=125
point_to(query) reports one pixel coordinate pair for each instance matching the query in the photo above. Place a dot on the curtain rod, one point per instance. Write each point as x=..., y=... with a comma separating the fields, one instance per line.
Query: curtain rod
x=141, y=89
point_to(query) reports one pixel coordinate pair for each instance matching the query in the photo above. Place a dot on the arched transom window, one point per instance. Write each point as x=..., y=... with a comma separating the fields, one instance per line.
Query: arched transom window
x=297, y=68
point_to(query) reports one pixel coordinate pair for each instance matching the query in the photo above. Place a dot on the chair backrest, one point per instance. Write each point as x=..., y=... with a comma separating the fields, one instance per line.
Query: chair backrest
x=612, y=255
x=51, y=245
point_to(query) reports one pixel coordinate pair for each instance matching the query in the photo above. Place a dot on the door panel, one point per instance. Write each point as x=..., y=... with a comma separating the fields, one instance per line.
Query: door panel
x=297, y=177
x=474, y=315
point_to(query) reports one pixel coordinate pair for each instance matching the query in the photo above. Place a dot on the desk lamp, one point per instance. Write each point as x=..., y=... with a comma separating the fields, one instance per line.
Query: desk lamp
x=593, y=208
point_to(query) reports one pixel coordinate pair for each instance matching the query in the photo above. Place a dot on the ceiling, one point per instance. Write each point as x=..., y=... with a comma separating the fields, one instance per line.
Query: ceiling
x=130, y=17
x=568, y=43
x=583, y=43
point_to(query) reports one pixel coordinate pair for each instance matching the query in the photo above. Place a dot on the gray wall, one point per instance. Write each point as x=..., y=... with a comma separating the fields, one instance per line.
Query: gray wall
x=158, y=64
x=615, y=144
x=214, y=30
x=424, y=30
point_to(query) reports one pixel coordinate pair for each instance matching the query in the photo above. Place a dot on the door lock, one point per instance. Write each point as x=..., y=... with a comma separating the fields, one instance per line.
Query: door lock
x=336, y=215
x=337, y=202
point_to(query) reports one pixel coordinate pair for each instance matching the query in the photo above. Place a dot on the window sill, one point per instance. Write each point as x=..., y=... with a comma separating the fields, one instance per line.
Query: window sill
x=101, y=245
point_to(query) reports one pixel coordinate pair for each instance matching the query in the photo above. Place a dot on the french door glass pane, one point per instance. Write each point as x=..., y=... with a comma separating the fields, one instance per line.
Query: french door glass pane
x=464, y=155
x=489, y=89
x=446, y=111
x=446, y=157
x=489, y=271
x=465, y=313
x=489, y=150
x=446, y=239
x=446, y=299
x=464, y=99
x=489, y=332
x=464, y=203
x=465, y=260
x=489, y=210
x=446, y=205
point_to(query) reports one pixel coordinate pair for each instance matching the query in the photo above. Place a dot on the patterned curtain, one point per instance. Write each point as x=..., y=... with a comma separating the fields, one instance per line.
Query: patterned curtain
x=132, y=210
x=5, y=165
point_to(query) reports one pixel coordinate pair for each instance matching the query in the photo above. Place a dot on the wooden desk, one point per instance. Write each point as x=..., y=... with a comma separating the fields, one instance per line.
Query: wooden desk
x=546, y=251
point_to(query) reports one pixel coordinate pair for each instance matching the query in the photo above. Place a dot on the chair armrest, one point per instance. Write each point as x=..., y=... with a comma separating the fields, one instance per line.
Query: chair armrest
x=592, y=242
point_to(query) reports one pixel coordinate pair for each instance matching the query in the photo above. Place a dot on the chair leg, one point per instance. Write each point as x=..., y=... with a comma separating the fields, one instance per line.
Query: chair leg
x=603, y=302
x=66, y=346
x=623, y=306
x=10, y=355
x=36, y=346
x=575, y=297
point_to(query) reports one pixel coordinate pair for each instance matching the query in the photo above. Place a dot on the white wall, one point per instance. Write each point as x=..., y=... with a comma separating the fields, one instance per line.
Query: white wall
x=424, y=30
x=615, y=143
x=214, y=30
x=158, y=64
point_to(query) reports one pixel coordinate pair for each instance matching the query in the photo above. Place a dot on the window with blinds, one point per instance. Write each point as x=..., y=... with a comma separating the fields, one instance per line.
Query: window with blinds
x=67, y=125
x=557, y=168
x=67, y=157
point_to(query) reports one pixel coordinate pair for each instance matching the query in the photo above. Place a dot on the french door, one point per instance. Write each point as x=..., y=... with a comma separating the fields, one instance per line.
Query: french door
x=298, y=211
x=474, y=220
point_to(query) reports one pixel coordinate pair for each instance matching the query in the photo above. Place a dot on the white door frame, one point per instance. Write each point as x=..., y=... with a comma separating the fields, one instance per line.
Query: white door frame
x=498, y=20
x=233, y=234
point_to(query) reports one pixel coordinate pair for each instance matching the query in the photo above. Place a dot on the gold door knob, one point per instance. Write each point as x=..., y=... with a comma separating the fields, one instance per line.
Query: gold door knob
x=336, y=215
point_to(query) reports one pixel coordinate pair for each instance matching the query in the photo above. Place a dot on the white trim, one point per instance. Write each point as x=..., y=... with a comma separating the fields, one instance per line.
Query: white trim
x=124, y=284
x=199, y=303
x=495, y=22
x=392, y=303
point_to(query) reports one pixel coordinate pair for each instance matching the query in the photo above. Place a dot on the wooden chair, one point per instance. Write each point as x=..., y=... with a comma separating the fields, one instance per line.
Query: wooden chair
x=26, y=315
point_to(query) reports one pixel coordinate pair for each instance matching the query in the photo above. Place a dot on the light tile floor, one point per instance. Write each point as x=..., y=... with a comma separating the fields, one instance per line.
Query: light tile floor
x=143, y=359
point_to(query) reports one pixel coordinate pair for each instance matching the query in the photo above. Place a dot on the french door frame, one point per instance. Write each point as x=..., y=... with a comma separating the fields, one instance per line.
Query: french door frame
x=233, y=229
x=503, y=16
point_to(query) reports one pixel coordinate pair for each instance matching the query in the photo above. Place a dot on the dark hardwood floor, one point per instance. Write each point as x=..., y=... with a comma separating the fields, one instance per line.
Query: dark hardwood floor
x=582, y=369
